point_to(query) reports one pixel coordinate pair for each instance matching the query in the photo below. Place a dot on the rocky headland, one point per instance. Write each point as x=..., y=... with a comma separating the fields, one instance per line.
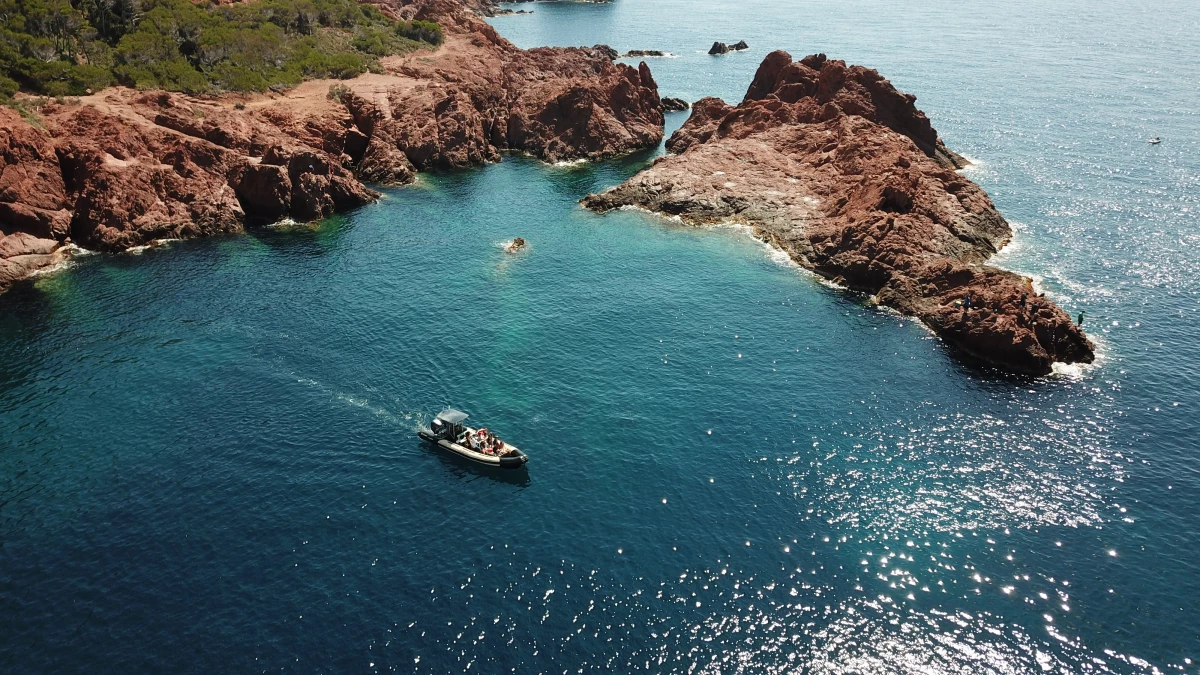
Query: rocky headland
x=124, y=168
x=833, y=165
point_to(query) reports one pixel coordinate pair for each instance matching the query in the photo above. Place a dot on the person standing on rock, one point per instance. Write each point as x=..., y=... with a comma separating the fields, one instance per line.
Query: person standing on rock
x=1079, y=321
x=966, y=302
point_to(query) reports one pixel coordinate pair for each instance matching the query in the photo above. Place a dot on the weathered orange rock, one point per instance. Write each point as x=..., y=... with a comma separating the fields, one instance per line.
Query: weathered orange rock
x=33, y=197
x=23, y=254
x=833, y=165
x=484, y=96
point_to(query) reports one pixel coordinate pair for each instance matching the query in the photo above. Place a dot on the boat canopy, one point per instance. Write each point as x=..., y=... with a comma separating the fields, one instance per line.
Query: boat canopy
x=452, y=416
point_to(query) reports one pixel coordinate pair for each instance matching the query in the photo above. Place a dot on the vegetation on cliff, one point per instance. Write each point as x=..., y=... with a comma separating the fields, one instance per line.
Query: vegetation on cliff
x=68, y=47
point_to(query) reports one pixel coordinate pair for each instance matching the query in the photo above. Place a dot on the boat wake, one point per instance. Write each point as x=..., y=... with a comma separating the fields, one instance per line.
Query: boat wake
x=412, y=421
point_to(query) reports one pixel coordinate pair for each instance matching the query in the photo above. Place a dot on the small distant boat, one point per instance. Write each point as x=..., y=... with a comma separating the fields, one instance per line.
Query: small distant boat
x=1155, y=141
x=449, y=432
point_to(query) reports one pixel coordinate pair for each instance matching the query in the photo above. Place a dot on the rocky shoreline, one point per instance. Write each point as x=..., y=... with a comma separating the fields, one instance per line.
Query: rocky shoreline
x=828, y=162
x=124, y=168
x=833, y=165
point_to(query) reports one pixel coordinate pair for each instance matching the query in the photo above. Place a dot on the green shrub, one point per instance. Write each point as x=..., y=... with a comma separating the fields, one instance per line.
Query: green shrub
x=421, y=31
x=68, y=47
x=7, y=87
x=338, y=92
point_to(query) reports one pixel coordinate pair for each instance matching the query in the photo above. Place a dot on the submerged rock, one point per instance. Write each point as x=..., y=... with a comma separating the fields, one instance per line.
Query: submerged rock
x=634, y=53
x=515, y=245
x=833, y=165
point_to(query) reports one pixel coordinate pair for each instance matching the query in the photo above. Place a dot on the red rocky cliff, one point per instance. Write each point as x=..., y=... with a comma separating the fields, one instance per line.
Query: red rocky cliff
x=838, y=168
x=126, y=168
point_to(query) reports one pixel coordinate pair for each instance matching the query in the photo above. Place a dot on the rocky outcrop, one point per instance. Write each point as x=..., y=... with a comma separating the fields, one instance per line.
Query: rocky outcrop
x=836, y=167
x=35, y=218
x=33, y=198
x=164, y=166
x=23, y=255
x=719, y=48
x=643, y=53
x=127, y=168
x=487, y=97
x=674, y=104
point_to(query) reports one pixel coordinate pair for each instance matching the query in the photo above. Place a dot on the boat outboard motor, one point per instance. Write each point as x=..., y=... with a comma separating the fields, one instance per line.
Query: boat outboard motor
x=438, y=428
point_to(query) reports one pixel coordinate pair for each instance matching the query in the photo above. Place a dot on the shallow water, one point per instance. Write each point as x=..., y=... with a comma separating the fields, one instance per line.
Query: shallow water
x=209, y=462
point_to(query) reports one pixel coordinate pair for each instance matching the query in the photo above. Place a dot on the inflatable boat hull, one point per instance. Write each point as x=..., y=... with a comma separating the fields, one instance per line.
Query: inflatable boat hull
x=514, y=461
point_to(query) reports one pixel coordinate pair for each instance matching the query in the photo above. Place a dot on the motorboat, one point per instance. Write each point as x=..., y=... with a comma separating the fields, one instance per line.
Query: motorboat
x=1155, y=141
x=449, y=432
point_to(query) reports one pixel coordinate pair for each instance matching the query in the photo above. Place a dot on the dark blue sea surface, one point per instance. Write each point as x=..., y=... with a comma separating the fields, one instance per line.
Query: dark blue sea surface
x=208, y=458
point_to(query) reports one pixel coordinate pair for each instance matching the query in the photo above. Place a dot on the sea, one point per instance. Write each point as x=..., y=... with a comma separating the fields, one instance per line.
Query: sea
x=208, y=450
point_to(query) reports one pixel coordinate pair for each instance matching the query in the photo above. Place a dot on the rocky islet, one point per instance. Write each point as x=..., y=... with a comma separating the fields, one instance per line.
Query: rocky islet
x=719, y=48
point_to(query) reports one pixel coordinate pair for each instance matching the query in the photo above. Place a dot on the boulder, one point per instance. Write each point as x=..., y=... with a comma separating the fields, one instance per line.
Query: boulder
x=674, y=104
x=22, y=255
x=719, y=48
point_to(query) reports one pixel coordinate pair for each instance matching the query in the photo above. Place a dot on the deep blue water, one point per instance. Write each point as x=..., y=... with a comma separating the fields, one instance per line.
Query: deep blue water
x=208, y=460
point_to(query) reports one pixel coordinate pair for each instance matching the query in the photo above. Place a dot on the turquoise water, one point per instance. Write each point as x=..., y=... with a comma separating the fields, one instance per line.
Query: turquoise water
x=209, y=463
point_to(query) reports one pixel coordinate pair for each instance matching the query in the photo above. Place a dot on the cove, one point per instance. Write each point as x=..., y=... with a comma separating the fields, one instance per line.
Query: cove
x=209, y=460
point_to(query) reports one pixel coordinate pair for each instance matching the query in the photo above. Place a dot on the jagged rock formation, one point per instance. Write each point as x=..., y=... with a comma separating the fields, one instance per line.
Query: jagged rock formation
x=719, y=48
x=835, y=166
x=674, y=104
x=126, y=168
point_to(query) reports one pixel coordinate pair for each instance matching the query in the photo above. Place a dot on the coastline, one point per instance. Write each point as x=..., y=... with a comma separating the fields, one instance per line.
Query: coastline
x=839, y=169
x=119, y=169
x=122, y=169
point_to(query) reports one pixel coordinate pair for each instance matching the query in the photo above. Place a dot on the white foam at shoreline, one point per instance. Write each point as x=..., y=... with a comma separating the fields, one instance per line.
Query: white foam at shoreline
x=973, y=164
x=1074, y=372
x=72, y=251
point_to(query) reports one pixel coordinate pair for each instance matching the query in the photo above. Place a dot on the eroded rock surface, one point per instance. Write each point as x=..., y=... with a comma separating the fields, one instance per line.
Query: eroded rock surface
x=839, y=169
x=674, y=104
x=127, y=168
